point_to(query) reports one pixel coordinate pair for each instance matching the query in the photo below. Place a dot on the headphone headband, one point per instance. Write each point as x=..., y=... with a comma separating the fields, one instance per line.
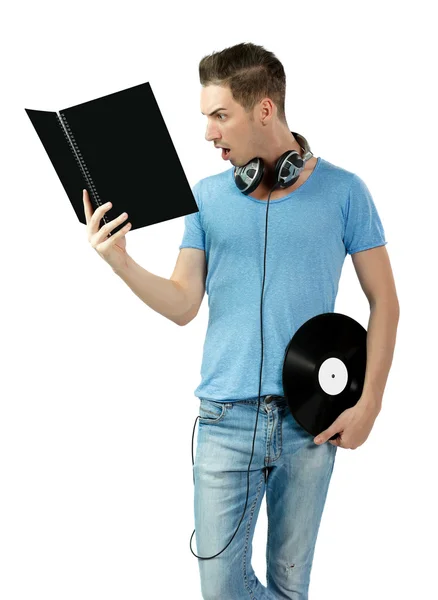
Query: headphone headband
x=304, y=146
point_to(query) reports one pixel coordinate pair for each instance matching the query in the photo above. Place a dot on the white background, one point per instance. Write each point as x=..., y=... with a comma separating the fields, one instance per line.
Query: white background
x=97, y=404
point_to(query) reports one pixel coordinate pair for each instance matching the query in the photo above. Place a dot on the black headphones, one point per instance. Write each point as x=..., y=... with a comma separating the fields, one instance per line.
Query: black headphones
x=288, y=168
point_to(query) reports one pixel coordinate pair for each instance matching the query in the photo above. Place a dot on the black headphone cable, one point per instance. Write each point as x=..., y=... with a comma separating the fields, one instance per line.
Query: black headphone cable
x=258, y=406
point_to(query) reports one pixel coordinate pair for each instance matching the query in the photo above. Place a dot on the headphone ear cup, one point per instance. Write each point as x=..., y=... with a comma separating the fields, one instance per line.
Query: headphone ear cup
x=290, y=164
x=248, y=177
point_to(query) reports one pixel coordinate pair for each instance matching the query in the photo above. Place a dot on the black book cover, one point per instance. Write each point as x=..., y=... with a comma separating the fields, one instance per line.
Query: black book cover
x=119, y=149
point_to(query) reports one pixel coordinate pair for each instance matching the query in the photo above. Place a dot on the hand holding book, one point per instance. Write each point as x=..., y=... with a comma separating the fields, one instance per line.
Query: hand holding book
x=112, y=248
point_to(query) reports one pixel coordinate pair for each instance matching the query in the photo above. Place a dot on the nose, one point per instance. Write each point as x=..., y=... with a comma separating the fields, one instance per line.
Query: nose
x=211, y=134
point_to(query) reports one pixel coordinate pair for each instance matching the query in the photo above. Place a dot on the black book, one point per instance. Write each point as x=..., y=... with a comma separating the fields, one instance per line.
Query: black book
x=118, y=148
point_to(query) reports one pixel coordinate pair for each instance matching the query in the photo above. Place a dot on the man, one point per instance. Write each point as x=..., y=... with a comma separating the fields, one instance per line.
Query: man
x=312, y=225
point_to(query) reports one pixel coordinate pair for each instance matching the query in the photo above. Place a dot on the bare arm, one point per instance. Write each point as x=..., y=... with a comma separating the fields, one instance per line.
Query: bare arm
x=173, y=298
x=163, y=295
x=190, y=273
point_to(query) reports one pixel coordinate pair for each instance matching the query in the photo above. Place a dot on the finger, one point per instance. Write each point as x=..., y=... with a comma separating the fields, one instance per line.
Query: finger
x=103, y=233
x=108, y=241
x=87, y=206
x=94, y=223
x=323, y=437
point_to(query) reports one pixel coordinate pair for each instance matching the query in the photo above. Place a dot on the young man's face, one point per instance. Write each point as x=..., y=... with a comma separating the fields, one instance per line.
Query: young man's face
x=231, y=127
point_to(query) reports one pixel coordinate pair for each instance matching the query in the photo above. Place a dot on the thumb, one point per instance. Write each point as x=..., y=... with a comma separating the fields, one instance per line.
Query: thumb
x=327, y=434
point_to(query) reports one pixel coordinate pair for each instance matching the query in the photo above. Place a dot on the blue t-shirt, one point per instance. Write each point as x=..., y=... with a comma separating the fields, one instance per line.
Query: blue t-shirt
x=310, y=231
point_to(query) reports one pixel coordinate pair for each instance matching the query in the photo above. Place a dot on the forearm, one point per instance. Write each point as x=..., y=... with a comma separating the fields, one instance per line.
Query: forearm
x=381, y=336
x=164, y=296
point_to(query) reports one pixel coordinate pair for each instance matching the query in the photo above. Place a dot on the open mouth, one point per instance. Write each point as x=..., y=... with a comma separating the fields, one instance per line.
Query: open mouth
x=225, y=153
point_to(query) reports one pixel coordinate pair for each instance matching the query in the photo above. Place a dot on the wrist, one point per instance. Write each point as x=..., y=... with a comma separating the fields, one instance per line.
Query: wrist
x=124, y=267
x=370, y=402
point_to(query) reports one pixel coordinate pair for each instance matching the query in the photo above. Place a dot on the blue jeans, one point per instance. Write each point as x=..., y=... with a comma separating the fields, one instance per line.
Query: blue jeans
x=289, y=466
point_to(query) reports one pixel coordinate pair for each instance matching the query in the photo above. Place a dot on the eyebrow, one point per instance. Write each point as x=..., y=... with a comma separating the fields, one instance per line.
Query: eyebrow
x=215, y=111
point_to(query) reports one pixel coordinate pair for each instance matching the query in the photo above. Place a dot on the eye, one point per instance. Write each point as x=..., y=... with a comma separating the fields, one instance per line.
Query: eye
x=220, y=115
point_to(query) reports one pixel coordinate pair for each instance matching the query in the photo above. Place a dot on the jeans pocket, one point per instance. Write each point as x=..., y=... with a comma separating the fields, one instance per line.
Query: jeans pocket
x=211, y=411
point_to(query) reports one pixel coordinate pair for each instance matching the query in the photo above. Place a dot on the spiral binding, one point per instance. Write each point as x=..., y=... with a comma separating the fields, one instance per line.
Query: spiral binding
x=80, y=160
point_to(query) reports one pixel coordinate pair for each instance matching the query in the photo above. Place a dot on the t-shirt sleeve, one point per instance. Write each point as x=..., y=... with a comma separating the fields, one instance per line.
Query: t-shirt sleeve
x=363, y=227
x=194, y=235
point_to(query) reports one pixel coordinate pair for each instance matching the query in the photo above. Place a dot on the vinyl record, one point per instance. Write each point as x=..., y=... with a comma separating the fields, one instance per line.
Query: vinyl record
x=324, y=370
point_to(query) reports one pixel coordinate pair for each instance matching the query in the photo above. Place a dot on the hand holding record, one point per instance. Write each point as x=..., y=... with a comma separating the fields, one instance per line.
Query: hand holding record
x=354, y=425
x=323, y=375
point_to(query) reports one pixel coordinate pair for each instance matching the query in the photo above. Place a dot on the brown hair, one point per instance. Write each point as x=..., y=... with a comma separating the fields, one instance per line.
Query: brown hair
x=251, y=73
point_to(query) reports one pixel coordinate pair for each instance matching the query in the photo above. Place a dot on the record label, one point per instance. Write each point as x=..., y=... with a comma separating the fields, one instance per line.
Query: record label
x=333, y=376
